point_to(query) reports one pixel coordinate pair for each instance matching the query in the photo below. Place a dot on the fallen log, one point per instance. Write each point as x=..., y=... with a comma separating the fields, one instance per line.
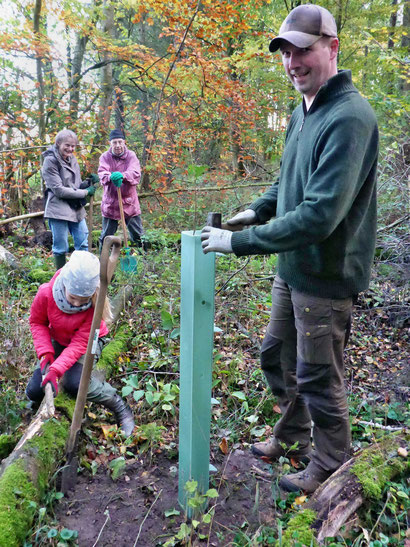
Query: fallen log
x=25, y=474
x=9, y=259
x=361, y=479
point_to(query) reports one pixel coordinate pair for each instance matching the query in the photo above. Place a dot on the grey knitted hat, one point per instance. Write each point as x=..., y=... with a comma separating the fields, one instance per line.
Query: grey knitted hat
x=81, y=274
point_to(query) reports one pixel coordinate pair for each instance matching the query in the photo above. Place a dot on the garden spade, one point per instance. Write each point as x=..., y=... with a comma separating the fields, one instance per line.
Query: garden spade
x=128, y=262
x=90, y=223
x=109, y=257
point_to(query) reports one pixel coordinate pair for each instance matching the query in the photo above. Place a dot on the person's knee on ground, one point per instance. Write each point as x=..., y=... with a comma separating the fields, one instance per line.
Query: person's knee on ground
x=34, y=391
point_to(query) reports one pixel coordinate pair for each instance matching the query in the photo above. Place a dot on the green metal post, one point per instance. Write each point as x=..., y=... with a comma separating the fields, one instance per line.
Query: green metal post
x=197, y=326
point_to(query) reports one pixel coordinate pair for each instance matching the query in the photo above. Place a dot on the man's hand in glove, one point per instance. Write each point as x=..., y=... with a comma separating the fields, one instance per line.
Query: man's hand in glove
x=91, y=190
x=117, y=178
x=216, y=240
x=45, y=360
x=52, y=377
x=245, y=217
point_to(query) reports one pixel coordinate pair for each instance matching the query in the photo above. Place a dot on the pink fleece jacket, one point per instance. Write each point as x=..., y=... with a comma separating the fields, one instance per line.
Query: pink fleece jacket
x=129, y=166
x=48, y=322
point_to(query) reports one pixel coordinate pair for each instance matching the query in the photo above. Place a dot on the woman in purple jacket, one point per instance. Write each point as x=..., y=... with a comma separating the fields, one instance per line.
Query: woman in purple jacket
x=120, y=168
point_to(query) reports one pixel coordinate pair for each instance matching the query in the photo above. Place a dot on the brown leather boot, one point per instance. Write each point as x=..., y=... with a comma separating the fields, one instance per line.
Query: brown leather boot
x=272, y=450
x=307, y=480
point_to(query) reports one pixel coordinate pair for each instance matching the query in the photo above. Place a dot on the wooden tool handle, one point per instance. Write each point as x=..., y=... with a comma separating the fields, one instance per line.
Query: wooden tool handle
x=109, y=256
x=90, y=223
x=233, y=227
x=124, y=226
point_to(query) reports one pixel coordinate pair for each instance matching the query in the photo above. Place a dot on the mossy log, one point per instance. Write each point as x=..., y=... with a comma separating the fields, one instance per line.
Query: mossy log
x=26, y=473
x=360, y=479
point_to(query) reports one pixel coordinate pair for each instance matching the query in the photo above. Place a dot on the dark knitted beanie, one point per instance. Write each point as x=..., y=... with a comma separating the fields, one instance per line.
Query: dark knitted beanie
x=116, y=134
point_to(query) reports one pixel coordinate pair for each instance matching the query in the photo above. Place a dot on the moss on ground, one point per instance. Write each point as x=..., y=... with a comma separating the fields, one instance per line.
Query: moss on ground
x=113, y=350
x=7, y=443
x=26, y=479
x=48, y=449
x=65, y=404
x=41, y=275
x=379, y=464
x=299, y=530
x=18, y=501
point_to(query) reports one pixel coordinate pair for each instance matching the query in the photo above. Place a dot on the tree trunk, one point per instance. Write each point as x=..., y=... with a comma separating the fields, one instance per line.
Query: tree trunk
x=39, y=70
x=74, y=72
x=107, y=86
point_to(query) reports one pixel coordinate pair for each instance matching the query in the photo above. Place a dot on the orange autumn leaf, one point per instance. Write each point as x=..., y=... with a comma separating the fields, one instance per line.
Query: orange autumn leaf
x=300, y=500
x=223, y=445
x=107, y=430
x=295, y=463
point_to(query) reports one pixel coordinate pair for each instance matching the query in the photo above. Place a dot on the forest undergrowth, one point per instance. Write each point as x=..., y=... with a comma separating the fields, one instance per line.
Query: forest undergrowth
x=243, y=412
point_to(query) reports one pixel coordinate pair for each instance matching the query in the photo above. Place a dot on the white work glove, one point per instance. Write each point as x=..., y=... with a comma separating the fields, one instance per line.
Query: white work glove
x=245, y=217
x=217, y=240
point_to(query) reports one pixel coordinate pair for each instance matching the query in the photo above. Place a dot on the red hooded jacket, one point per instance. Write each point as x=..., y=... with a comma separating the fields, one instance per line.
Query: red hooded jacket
x=48, y=322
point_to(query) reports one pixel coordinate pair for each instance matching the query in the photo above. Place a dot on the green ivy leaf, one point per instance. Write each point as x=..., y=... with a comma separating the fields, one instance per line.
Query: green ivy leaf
x=117, y=467
x=172, y=512
x=239, y=395
x=191, y=486
x=138, y=394
x=126, y=390
x=167, y=320
x=68, y=534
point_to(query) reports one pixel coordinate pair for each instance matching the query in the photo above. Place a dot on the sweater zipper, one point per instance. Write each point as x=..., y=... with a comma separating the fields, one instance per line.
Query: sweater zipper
x=301, y=126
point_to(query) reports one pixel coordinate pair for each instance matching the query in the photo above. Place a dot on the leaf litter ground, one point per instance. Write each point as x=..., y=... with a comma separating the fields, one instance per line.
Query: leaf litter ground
x=132, y=509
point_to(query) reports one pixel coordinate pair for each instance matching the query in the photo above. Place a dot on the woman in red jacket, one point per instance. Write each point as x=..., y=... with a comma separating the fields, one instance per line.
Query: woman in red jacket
x=60, y=322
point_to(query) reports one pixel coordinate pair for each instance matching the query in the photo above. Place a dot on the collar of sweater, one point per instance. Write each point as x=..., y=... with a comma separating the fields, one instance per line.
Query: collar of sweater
x=336, y=85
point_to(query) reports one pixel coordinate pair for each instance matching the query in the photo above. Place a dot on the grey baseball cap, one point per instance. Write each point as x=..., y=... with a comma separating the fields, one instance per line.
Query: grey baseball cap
x=304, y=26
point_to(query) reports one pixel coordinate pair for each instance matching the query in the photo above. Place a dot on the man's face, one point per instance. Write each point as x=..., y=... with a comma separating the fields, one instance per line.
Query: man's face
x=67, y=147
x=309, y=68
x=118, y=146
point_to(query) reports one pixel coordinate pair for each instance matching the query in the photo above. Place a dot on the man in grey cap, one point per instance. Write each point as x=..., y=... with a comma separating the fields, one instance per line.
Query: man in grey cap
x=322, y=223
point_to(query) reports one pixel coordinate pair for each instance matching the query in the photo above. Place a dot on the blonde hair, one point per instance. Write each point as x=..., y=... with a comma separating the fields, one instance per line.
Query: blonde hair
x=107, y=312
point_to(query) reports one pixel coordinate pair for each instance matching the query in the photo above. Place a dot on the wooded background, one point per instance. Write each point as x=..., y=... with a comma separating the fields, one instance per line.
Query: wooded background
x=191, y=83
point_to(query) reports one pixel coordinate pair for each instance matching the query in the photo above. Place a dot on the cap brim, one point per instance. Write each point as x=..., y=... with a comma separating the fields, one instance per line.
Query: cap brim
x=298, y=39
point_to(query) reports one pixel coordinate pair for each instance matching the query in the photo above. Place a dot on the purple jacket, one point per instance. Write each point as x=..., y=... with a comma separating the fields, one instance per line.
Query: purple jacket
x=129, y=166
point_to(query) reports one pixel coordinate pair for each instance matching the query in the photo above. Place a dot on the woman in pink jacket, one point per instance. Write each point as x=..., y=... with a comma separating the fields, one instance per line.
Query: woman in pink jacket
x=60, y=322
x=120, y=168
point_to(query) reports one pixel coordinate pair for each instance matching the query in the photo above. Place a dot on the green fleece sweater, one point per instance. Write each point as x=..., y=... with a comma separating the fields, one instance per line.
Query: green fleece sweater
x=324, y=202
